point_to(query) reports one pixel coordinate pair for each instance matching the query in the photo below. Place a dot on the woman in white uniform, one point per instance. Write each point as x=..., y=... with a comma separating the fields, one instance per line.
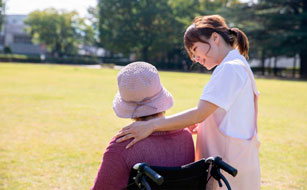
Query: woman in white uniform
x=227, y=109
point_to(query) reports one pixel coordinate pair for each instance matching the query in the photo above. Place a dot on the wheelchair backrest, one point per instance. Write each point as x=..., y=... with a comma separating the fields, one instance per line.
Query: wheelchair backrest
x=191, y=176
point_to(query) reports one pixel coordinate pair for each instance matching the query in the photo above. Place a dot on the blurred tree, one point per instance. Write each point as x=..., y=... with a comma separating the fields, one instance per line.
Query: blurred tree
x=60, y=31
x=7, y=50
x=146, y=28
x=2, y=13
x=184, y=12
x=93, y=19
x=285, y=19
x=275, y=28
x=85, y=32
x=216, y=5
x=244, y=17
x=153, y=30
x=302, y=38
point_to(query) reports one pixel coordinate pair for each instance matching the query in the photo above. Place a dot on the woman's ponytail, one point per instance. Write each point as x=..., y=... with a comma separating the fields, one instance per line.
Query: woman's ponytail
x=204, y=26
x=241, y=41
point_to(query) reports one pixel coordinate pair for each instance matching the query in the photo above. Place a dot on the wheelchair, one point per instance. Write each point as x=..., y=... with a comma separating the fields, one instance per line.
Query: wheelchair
x=193, y=176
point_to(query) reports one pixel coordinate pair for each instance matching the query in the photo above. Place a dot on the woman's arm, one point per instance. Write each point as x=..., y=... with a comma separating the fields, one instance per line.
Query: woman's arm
x=142, y=129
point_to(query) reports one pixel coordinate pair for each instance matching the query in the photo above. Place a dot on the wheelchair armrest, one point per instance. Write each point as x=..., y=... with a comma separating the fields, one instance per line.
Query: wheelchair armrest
x=226, y=167
x=154, y=176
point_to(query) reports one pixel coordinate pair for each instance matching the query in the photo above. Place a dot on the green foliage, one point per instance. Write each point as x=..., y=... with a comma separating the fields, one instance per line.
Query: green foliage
x=60, y=31
x=7, y=50
x=93, y=19
x=153, y=30
x=275, y=28
x=184, y=11
x=146, y=28
x=19, y=58
x=2, y=13
x=283, y=21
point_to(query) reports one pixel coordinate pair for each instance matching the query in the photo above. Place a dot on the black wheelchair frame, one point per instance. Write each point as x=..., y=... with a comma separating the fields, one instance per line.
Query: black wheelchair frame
x=193, y=176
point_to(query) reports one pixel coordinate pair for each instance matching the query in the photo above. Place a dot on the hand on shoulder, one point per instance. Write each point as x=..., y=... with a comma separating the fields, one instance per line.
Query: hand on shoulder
x=137, y=130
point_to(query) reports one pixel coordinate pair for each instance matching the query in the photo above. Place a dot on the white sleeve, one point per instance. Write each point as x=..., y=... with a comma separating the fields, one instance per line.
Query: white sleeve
x=224, y=86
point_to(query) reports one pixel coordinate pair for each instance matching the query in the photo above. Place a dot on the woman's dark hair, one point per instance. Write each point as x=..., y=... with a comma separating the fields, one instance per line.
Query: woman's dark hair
x=203, y=27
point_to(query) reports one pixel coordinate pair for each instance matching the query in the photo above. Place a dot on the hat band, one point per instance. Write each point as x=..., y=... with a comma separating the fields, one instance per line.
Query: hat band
x=145, y=102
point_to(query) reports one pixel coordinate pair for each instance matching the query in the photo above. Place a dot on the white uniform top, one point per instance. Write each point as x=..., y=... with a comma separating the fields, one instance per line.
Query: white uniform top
x=230, y=88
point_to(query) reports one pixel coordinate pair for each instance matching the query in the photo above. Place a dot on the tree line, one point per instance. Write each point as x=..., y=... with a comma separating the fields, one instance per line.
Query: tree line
x=153, y=30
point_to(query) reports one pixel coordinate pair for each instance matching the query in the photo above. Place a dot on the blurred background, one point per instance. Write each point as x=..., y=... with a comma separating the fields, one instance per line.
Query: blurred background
x=118, y=32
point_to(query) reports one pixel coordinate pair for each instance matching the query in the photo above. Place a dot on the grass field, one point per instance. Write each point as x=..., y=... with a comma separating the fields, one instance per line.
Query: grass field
x=56, y=121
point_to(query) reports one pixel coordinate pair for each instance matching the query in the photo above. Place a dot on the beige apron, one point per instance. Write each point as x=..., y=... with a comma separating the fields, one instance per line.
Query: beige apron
x=241, y=154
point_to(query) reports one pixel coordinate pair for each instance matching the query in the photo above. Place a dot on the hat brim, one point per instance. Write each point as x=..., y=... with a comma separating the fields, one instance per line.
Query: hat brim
x=125, y=109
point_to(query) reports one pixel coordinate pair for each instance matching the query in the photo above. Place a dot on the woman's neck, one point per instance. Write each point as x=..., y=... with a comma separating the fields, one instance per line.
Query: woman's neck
x=224, y=52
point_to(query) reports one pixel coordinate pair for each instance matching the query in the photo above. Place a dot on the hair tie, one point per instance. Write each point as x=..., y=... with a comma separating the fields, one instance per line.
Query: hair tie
x=230, y=31
x=190, y=27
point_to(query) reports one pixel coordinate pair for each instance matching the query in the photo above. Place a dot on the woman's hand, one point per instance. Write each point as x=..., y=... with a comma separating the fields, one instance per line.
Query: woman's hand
x=142, y=129
x=137, y=130
x=193, y=128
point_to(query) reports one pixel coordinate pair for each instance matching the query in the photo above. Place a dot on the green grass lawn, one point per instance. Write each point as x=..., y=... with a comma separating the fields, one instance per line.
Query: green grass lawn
x=56, y=121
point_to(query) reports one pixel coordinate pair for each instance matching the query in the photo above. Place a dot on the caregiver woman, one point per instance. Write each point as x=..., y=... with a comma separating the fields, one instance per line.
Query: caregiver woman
x=228, y=105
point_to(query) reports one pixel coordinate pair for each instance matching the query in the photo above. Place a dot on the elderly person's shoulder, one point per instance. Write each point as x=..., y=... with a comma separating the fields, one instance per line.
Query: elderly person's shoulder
x=118, y=147
x=182, y=134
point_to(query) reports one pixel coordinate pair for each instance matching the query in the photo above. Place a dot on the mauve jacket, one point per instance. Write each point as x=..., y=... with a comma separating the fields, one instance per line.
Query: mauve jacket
x=169, y=149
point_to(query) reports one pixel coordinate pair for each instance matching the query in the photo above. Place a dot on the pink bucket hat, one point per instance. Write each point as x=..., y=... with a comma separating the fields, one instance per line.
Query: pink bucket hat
x=140, y=92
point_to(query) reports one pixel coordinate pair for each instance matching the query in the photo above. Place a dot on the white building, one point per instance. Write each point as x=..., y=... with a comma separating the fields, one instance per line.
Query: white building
x=13, y=35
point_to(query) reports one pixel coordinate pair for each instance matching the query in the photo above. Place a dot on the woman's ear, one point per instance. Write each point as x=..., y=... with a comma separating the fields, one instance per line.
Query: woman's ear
x=215, y=38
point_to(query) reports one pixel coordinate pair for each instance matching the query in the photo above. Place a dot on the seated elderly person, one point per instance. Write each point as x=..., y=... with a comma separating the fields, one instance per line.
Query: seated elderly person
x=142, y=97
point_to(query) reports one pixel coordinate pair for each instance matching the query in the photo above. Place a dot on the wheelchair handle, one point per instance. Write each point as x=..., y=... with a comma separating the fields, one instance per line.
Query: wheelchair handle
x=154, y=176
x=226, y=167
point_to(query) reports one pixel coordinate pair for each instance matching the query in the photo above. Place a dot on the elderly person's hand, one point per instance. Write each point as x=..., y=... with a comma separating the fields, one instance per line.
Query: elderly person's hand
x=138, y=130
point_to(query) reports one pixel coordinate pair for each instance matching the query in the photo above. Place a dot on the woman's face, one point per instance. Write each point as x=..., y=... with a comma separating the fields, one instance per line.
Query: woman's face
x=204, y=55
